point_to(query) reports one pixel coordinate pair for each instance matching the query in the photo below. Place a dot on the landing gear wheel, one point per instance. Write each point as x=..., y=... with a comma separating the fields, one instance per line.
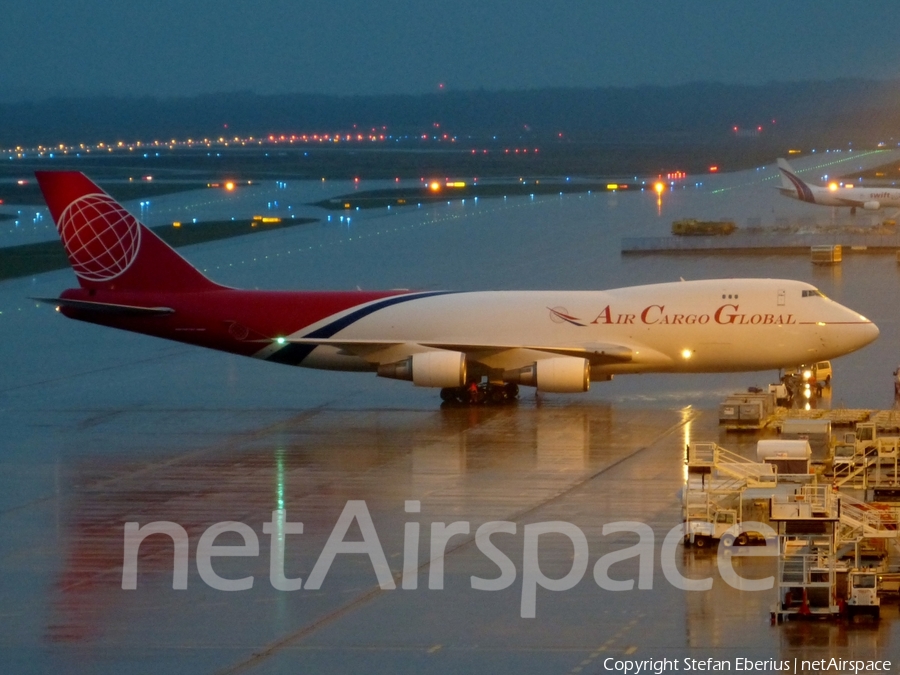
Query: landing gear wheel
x=478, y=393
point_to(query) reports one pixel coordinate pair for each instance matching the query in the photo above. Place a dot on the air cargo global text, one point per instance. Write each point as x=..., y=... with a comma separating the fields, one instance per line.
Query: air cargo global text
x=726, y=314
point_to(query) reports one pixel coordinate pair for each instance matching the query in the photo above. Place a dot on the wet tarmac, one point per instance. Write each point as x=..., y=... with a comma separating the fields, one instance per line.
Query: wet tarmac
x=102, y=428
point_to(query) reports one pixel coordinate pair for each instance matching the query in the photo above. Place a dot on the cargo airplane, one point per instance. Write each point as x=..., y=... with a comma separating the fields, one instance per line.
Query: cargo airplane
x=870, y=199
x=472, y=345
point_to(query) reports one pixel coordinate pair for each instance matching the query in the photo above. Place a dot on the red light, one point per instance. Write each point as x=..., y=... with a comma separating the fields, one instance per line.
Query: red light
x=713, y=169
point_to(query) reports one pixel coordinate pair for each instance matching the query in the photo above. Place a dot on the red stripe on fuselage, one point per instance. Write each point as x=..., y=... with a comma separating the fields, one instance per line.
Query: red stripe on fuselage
x=230, y=320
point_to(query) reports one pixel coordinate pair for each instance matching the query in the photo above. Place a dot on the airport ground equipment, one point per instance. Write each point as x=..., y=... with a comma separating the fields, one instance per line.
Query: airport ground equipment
x=825, y=254
x=832, y=550
x=694, y=227
x=787, y=456
x=874, y=462
x=713, y=495
x=862, y=593
x=816, y=431
x=748, y=410
x=808, y=528
x=780, y=392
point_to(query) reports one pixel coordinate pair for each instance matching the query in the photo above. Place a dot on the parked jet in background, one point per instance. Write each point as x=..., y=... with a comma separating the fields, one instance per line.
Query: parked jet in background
x=472, y=345
x=870, y=199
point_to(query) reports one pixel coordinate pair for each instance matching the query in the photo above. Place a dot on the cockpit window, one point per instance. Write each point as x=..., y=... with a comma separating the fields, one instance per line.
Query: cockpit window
x=813, y=294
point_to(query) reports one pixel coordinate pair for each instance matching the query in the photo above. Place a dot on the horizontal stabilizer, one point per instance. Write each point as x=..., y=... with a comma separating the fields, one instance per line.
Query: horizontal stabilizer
x=107, y=307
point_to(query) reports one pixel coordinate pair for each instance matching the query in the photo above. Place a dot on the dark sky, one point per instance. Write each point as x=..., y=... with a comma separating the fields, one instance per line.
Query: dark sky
x=184, y=47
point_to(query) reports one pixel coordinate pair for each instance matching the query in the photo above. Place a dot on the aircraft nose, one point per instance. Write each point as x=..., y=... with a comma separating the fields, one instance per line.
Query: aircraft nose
x=864, y=331
x=870, y=332
x=861, y=331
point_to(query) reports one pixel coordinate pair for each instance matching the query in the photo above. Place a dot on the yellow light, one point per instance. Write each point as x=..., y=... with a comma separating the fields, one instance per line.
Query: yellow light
x=686, y=353
x=176, y=224
x=229, y=186
x=435, y=186
x=612, y=186
x=832, y=186
x=659, y=186
x=456, y=184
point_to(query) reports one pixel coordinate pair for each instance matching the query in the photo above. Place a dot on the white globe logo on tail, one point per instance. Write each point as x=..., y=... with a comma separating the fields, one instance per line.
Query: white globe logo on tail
x=101, y=238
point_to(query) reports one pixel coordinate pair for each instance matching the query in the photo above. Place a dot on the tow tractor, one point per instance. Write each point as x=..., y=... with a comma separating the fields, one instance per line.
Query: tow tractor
x=862, y=593
x=704, y=532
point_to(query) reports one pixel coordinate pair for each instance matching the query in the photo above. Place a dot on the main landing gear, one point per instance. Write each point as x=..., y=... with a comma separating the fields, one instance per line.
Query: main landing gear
x=480, y=393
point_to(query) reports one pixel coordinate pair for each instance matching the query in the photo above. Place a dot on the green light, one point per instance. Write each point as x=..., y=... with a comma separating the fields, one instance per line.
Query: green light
x=279, y=478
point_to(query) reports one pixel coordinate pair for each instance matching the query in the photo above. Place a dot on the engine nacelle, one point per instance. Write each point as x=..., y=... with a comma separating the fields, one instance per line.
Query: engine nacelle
x=429, y=369
x=872, y=206
x=560, y=374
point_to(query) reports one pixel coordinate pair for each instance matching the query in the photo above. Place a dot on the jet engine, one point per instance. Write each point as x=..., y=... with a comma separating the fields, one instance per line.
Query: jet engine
x=872, y=206
x=561, y=374
x=429, y=369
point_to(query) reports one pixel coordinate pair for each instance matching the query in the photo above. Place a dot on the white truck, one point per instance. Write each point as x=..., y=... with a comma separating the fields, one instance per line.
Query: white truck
x=707, y=531
x=862, y=593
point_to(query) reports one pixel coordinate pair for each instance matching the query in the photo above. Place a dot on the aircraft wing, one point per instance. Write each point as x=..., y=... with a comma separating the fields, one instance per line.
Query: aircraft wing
x=850, y=202
x=595, y=353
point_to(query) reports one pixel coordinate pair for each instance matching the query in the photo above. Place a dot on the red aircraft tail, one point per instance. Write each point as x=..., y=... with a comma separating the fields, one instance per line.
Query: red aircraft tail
x=107, y=247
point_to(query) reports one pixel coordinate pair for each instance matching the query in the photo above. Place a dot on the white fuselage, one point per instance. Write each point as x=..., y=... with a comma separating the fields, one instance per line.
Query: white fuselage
x=693, y=326
x=855, y=196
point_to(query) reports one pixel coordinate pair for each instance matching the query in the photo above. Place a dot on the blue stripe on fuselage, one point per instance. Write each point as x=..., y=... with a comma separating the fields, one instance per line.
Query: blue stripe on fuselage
x=293, y=354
